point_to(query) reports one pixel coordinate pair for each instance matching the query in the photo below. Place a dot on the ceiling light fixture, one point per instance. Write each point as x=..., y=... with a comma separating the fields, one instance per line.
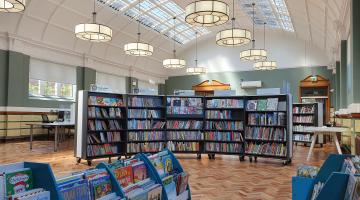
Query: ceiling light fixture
x=253, y=54
x=196, y=70
x=265, y=65
x=174, y=63
x=12, y=6
x=138, y=48
x=207, y=13
x=234, y=36
x=93, y=32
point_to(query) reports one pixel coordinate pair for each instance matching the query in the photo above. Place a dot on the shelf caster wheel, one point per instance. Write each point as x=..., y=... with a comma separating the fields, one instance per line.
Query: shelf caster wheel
x=289, y=161
x=119, y=158
x=198, y=156
x=209, y=155
x=89, y=162
x=78, y=160
x=109, y=161
x=213, y=156
x=242, y=158
x=285, y=162
x=250, y=159
x=255, y=159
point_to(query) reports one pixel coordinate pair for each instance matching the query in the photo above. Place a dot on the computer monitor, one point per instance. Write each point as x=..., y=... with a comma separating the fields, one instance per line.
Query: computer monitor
x=61, y=115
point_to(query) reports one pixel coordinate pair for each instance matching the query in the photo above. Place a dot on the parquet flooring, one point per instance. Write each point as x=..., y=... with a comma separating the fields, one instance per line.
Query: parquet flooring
x=223, y=178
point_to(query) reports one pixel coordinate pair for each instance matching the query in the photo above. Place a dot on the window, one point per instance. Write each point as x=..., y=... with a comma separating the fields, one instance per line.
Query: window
x=51, y=90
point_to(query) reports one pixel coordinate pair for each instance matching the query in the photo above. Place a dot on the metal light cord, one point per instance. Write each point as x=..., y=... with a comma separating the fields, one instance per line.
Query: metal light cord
x=253, y=28
x=139, y=33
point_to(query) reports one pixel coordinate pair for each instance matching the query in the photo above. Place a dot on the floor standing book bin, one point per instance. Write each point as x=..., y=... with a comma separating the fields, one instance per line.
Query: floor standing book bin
x=306, y=114
x=42, y=174
x=142, y=135
x=177, y=166
x=335, y=183
x=116, y=185
x=184, y=140
x=259, y=120
x=96, y=132
x=224, y=126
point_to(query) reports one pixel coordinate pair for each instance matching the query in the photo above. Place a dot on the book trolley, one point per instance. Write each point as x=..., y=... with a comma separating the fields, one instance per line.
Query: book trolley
x=186, y=124
x=306, y=114
x=335, y=182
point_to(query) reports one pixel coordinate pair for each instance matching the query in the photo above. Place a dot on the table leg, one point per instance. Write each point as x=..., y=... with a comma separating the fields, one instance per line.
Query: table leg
x=313, y=140
x=31, y=135
x=337, y=143
x=56, y=139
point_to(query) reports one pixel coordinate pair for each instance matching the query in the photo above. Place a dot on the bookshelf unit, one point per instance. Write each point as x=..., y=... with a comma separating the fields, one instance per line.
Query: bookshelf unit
x=224, y=126
x=268, y=127
x=145, y=124
x=101, y=126
x=306, y=114
x=184, y=124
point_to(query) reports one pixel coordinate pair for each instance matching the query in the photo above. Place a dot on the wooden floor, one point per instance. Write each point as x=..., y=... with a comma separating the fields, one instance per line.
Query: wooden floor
x=223, y=178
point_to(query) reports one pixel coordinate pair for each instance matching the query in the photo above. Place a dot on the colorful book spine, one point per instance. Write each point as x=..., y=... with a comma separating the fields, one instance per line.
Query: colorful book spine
x=224, y=136
x=303, y=119
x=98, y=150
x=266, y=133
x=224, y=125
x=104, y=137
x=276, y=118
x=305, y=109
x=189, y=124
x=146, y=136
x=225, y=103
x=217, y=114
x=105, y=101
x=185, y=135
x=144, y=113
x=223, y=147
x=136, y=101
x=145, y=124
x=145, y=147
x=183, y=146
x=271, y=149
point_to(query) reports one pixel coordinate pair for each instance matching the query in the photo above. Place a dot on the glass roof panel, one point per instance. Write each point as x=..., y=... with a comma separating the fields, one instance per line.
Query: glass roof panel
x=158, y=15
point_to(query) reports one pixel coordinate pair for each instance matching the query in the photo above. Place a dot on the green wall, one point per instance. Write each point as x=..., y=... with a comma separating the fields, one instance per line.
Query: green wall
x=355, y=50
x=85, y=77
x=3, y=77
x=270, y=79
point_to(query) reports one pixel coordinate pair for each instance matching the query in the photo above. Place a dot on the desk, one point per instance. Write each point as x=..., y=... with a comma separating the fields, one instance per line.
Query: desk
x=56, y=125
x=324, y=130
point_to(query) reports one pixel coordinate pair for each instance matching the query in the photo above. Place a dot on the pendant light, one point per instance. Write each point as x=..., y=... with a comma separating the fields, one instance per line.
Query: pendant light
x=93, y=32
x=174, y=63
x=196, y=70
x=138, y=48
x=265, y=65
x=234, y=36
x=12, y=6
x=253, y=54
x=207, y=13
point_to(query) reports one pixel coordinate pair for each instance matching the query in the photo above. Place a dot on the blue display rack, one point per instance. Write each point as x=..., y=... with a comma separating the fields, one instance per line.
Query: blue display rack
x=177, y=166
x=117, y=187
x=335, y=183
x=43, y=176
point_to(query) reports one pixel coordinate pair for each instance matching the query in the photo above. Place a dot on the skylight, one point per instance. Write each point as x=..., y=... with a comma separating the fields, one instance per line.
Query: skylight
x=273, y=12
x=158, y=15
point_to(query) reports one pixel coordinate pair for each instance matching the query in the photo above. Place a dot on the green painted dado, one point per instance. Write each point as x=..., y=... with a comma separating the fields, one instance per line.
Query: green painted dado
x=337, y=89
x=343, y=75
x=355, y=51
x=85, y=77
x=270, y=79
x=3, y=77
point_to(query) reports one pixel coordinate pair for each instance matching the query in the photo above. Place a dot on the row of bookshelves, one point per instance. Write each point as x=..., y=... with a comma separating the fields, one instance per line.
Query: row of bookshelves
x=148, y=123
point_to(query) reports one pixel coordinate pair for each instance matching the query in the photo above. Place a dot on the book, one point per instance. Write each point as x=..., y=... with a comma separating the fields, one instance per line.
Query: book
x=100, y=186
x=18, y=181
x=139, y=171
x=350, y=189
x=251, y=105
x=111, y=196
x=272, y=104
x=124, y=175
x=158, y=164
x=261, y=105
x=2, y=186
x=167, y=163
x=155, y=193
x=182, y=182
x=43, y=195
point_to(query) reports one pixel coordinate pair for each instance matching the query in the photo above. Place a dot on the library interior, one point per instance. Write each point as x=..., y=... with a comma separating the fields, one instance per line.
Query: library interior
x=179, y=100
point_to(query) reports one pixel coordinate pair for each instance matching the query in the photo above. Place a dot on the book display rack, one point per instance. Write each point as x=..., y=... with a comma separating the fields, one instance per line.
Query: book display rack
x=254, y=126
x=268, y=127
x=306, y=114
x=224, y=126
x=184, y=124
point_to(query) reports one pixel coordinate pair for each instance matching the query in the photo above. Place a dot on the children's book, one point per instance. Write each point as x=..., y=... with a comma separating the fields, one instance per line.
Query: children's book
x=350, y=187
x=18, y=181
x=261, y=105
x=111, y=196
x=272, y=104
x=124, y=175
x=155, y=193
x=251, y=105
x=158, y=164
x=167, y=163
x=139, y=171
x=182, y=182
x=100, y=186
x=2, y=186
x=44, y=195
x=171, y=190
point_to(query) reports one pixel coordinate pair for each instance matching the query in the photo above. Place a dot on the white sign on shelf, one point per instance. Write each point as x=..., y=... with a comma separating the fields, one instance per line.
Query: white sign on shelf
x=184, y=92
x=224, y=92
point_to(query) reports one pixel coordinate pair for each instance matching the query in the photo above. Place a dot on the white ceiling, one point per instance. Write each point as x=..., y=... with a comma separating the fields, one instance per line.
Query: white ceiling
x=52, y=22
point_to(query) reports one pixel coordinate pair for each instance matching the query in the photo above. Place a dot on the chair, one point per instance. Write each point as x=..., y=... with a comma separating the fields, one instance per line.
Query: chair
x=45, y=119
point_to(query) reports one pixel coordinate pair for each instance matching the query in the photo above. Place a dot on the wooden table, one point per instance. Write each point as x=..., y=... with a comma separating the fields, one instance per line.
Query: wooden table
x=56, y=125
x=324, y=130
